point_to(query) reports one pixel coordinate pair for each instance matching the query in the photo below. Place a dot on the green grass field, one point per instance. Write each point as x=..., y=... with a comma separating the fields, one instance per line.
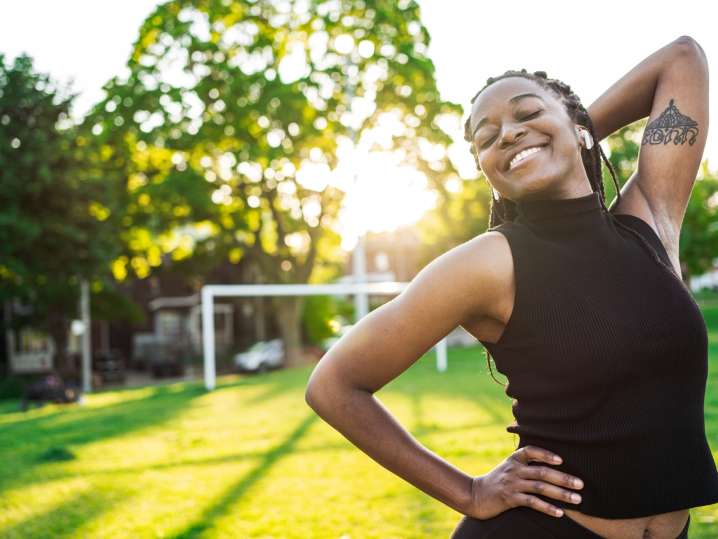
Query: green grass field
x=251, y=459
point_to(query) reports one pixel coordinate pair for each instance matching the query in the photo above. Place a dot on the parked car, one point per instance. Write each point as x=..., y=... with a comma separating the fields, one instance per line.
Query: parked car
x=110, y=366
x=261, y=356
x=161, y=356
x=49, y=388
x=167, y=362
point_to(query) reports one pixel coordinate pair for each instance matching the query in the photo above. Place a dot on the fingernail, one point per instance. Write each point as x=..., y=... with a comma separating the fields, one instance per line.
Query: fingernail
x=557, y=459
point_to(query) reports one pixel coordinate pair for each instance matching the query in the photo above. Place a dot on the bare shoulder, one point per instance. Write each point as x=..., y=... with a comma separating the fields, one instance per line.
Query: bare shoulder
x=497, y=268
x=464, y=283
x=483, y=266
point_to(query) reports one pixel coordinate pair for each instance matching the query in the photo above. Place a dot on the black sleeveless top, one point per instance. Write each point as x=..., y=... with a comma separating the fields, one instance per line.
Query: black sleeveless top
x=606, y=357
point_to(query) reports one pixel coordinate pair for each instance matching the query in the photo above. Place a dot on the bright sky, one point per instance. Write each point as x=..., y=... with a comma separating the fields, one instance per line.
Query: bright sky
x=589, y=49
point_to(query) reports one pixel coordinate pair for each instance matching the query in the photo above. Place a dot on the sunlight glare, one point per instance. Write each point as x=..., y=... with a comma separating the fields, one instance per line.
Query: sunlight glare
x=386, y=195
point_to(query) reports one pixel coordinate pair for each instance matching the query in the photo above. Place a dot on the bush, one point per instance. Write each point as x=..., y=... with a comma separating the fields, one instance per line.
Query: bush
x=13, y=386
x=318, y=313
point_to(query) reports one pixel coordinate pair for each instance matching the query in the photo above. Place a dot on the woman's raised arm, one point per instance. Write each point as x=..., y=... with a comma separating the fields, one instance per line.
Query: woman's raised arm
x=671, y=87
x=630, y=98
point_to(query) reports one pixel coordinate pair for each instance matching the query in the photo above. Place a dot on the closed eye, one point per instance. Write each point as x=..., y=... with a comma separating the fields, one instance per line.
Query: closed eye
x=531, y=115
x=528, y=117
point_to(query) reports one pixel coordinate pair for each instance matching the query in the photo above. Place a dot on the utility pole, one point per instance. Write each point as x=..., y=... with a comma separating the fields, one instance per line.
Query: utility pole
x=361, y=299
x=86, y=336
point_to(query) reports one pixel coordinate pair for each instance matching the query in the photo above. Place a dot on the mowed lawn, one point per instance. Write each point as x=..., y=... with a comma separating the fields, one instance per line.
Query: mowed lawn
x=251, y=459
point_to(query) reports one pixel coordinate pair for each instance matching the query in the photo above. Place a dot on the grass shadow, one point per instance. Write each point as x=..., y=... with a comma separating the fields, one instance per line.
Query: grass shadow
x=236, y=491
x=25, y=441
x=64, y=519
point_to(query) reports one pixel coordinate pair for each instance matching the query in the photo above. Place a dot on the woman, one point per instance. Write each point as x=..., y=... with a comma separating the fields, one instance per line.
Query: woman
x=581, y=306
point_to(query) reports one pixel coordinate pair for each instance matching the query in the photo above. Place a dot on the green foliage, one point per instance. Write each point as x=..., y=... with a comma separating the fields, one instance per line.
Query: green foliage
x=13, y=386
x=221, y=133
x=316, y=317
x=44, y=216
x=218, y=137
x=322, y=314
x=112, y=304
x=624, y=146
x=56, y=217
x=456, y=218
x=699, y=233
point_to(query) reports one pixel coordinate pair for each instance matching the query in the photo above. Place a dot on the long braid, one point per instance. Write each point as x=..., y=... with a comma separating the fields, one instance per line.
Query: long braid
x=503, y=210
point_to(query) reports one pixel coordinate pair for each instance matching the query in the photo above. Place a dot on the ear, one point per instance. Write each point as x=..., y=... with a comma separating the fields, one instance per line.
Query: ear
x=577, y=128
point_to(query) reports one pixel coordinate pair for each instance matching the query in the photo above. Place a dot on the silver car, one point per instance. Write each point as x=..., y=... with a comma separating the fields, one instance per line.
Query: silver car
x=261, y=356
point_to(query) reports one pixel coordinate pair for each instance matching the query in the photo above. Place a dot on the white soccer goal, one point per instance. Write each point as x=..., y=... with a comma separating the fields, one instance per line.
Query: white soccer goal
x=209, y=292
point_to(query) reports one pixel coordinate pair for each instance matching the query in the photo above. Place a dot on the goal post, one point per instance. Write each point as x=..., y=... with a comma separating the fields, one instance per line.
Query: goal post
x=209, y=292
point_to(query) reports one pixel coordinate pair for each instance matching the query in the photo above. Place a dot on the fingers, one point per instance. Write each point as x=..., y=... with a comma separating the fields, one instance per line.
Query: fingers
x=521, y=498
x=543, y=480
x=531, y=452
x=547, y=489
x=550, y=476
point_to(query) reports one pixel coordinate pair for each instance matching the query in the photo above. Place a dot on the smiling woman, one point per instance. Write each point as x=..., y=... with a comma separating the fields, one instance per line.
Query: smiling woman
x=581, y=306
x=536, y=145
x=554, y=109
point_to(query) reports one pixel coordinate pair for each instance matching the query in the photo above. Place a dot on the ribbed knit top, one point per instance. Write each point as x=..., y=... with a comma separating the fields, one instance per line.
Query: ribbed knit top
x=606, y=357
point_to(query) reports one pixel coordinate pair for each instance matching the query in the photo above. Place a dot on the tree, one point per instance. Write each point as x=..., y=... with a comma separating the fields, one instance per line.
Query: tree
x=699, y=233
x=458, y=216
x=54, y=227
x=623, y=146
x=230, y=115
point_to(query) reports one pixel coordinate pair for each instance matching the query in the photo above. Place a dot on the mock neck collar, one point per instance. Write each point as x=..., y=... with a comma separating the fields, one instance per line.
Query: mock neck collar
x=559, y=209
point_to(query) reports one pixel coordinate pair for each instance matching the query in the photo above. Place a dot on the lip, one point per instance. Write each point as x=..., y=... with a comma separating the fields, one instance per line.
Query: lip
x=518, y=151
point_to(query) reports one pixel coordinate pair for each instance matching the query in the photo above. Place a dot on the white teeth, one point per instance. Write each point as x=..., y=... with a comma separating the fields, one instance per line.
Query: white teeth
x=524, y=153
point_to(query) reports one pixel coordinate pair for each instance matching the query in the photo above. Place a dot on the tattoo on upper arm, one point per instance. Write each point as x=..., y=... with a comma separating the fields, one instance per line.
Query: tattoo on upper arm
x=671, y=123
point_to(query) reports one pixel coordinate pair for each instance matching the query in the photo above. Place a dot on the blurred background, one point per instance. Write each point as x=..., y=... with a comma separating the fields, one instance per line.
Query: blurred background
x=148, y=149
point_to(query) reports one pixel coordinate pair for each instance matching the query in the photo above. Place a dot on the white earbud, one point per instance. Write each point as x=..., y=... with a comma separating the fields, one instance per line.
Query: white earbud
x=587, y=139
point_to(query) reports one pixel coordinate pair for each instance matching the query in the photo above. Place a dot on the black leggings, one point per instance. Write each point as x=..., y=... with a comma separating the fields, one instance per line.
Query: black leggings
x=523, y=522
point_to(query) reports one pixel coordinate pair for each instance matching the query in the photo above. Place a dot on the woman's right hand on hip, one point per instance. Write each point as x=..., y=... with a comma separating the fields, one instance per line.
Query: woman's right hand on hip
x=511, y=482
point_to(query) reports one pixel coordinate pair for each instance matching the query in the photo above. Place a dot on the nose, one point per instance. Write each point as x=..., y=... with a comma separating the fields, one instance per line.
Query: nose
x=511, y=134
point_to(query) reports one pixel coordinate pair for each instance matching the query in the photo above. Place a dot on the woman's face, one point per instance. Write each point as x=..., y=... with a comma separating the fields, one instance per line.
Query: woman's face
x=503, y=124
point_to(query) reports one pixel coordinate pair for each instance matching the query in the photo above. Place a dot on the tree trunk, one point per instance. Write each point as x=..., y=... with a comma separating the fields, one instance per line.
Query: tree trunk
x=288, y=310
x=58, y=326
x=260, y=326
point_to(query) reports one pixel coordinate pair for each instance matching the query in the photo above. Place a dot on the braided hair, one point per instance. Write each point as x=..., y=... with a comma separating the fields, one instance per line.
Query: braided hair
x=504, y=210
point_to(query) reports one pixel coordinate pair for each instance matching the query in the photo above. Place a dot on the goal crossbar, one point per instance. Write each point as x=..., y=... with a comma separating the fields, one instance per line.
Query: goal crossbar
x=209, y=292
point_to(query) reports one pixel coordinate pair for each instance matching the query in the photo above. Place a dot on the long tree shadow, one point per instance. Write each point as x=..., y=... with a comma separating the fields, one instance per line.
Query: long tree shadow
x=236, y=491
x=276, y=388
x=425, y=519
x=55, y=475
x=62, y=521
x=25, y=441
x=467, y=379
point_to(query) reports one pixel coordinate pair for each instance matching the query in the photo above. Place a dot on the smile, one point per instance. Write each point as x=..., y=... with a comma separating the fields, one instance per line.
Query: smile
x=524, y=156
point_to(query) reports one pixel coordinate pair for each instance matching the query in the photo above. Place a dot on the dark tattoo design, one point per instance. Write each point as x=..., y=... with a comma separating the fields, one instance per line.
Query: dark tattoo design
x=671, y=123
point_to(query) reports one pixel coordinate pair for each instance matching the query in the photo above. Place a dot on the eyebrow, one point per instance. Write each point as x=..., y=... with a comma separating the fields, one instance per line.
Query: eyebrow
x=512, y=100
